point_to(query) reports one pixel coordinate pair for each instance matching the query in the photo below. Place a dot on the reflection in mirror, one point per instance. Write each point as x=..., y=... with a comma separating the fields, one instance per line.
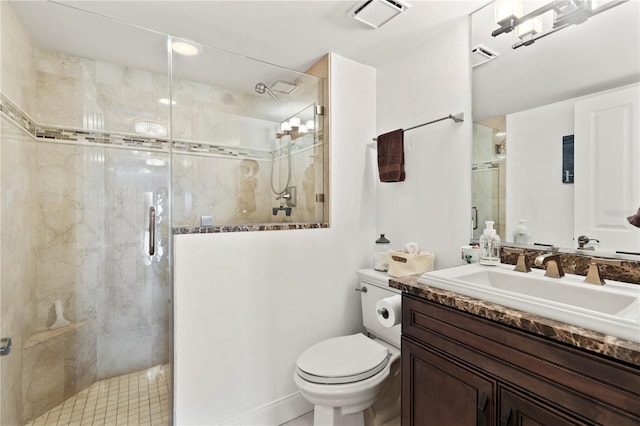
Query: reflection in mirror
x=583, y=82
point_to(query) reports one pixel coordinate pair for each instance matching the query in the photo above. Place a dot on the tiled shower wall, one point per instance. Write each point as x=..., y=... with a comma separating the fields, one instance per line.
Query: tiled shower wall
x=238, y=191
x=17, y=77
x=210, y=180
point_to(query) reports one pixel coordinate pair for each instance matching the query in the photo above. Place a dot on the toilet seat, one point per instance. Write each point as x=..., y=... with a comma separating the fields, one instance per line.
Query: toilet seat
x=341, y=360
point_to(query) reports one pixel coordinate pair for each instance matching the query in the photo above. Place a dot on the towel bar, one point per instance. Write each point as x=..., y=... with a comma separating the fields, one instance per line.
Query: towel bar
x=457, y=118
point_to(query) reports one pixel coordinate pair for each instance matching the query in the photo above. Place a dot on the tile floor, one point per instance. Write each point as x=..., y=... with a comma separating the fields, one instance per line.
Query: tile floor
x=140, y=398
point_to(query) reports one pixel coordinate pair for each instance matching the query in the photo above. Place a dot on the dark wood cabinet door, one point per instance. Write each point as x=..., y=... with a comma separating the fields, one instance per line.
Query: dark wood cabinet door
x=438, y=391
x=519, y=410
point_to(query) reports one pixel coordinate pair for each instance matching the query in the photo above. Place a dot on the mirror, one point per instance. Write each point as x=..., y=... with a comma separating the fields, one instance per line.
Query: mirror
x=560, y=70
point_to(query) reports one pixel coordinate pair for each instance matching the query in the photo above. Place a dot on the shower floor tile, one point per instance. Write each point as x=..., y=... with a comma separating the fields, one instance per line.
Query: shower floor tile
x=139, y=398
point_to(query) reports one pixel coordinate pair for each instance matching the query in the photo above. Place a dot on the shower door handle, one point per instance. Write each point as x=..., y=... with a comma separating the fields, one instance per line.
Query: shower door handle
x=475, y=217
x=5, y=346
x=152, y=231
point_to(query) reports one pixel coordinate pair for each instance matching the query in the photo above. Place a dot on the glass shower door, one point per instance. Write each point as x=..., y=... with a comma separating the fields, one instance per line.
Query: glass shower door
x=85, y=272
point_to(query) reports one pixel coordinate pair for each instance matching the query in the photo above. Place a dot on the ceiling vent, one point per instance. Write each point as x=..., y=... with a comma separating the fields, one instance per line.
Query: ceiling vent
x=376, y=13
x=481, y=55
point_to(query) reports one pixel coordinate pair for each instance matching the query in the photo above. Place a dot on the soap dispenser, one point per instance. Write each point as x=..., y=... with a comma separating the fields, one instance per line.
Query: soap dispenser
x=489, y=246
x=521, y=234
x=381, y=254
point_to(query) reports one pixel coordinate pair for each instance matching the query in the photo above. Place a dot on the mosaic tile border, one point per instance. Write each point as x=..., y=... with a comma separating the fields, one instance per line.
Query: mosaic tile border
x=133, y=141
x=180, y=230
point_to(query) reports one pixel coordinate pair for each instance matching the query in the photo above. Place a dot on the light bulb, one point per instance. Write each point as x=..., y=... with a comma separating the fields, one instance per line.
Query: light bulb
x=310, y=124
x=285, y=127
x=302, y=129
x=505, y=10
x=530, y=27
x=294, y=122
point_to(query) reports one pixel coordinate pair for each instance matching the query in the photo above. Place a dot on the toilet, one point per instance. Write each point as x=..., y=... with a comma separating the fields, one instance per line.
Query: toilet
x=344, y=376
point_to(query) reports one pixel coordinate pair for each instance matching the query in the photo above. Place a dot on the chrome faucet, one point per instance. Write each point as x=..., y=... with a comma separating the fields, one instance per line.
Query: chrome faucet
x=593, y=275
x=583, y=240
x=551, y=262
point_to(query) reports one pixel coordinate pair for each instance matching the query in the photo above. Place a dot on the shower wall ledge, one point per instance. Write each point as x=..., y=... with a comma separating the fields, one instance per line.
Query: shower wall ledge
x=247, y=228
x=43, y=336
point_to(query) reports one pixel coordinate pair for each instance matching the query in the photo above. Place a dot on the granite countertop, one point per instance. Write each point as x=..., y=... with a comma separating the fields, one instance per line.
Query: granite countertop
x=620, y=349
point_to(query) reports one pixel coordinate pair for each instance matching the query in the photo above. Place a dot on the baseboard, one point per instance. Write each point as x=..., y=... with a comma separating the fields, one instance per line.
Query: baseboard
x=274, y=413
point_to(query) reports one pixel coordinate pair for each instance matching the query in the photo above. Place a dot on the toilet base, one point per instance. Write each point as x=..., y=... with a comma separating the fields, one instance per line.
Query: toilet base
x=323, y=416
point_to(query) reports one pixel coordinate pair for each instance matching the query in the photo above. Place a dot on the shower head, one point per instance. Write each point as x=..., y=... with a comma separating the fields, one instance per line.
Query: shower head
x=262, y=88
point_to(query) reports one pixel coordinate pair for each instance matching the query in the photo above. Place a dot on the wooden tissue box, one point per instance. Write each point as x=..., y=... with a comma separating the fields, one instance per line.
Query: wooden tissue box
x=402, y=263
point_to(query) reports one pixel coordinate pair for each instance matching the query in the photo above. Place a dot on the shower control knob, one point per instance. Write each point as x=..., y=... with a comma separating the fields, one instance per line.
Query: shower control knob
x=362, y=290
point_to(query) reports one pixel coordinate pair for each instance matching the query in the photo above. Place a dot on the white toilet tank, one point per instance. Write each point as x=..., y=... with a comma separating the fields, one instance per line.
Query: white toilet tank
x=377, y=285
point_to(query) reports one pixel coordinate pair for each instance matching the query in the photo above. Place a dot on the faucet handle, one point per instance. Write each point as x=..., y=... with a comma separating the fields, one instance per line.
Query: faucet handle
x=593, y=275
x=522, y=265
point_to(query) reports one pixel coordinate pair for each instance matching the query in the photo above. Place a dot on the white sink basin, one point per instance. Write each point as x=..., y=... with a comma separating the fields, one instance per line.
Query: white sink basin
x=612, y=309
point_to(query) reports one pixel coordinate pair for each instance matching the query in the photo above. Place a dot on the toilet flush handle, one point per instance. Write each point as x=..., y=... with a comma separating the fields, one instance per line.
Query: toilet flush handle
x=362, y=290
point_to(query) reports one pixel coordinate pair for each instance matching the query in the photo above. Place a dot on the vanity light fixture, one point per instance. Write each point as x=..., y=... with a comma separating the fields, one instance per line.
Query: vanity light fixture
x=294, y=128
x=165, y=101
x=185, y=47
x=510, y=15
x=376, y=13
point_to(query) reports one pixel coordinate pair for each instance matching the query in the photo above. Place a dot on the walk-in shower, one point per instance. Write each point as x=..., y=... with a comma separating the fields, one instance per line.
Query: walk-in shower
x=93, y=140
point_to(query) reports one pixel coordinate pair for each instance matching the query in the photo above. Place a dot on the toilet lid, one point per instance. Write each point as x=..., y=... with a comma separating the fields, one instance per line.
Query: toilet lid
x=344, y=359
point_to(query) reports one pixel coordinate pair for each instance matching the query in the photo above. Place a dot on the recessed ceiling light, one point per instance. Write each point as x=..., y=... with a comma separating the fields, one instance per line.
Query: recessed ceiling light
x=165, y=101
x=186, y=48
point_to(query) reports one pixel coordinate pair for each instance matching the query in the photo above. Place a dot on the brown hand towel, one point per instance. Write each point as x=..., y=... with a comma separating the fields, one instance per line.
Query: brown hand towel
x=391, y=156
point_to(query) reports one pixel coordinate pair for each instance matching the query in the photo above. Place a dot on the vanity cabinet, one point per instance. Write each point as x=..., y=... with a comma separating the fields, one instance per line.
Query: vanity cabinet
x=461, y=369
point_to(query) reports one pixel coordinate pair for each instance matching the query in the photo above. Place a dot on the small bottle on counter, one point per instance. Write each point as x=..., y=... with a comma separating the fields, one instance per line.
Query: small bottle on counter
x=381, y=254
x=489, y=246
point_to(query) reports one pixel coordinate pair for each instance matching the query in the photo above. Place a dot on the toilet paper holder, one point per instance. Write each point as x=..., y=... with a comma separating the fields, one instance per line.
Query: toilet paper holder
x=383, y=313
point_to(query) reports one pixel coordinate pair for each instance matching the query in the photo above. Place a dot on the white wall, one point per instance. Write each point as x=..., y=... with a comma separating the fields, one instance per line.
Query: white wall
x=433, y=205
x=247, y=304
x=535, y=191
